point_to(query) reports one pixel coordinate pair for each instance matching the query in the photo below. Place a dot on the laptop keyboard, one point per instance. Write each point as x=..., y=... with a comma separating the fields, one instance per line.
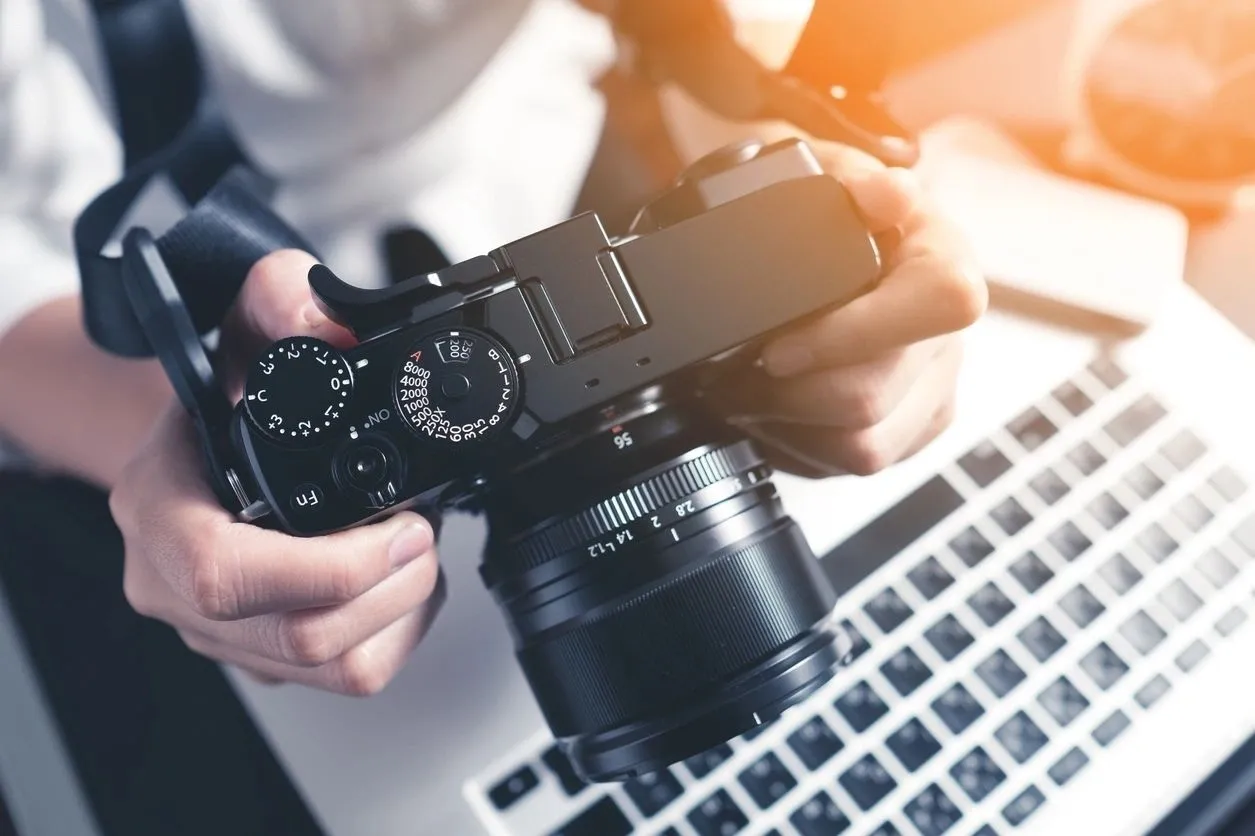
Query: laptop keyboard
x=1096, y=552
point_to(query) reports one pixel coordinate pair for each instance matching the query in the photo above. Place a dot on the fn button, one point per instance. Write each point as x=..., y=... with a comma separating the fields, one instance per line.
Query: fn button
x=306, y=497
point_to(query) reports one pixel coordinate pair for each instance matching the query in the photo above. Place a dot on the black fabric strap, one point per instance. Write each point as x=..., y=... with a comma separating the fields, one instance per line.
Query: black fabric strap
x=172, y=130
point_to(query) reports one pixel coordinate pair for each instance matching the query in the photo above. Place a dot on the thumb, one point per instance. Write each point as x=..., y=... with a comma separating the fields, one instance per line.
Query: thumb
x=886, y=198
x=275, y=302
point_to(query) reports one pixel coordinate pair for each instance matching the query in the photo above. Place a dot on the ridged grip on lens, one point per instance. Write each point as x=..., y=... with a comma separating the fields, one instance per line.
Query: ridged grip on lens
x=681, y=639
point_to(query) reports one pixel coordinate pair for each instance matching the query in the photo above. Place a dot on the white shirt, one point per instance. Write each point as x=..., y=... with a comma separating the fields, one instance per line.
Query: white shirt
x=472, y=119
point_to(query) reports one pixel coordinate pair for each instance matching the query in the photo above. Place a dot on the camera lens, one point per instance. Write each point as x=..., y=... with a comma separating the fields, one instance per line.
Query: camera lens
x=679, y=608
x=366, y=467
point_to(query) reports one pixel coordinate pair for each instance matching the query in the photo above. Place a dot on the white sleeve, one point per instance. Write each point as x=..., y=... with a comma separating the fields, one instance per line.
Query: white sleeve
x=58, y=150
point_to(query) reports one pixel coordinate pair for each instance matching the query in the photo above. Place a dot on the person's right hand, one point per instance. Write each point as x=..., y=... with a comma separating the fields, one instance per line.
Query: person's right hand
x=340, y=612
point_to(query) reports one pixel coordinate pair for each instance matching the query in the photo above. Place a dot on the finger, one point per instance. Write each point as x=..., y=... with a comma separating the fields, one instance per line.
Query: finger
x=314, y=637
x=830, y=452
x=849, y=397
x=886, y=199
x=935, y=289
x=275, y=302
x=363, y=671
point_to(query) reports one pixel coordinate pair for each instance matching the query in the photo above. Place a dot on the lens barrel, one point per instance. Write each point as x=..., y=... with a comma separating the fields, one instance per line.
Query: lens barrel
x=679, y=609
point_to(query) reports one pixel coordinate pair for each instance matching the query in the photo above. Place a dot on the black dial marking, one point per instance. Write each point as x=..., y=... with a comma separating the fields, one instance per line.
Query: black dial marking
x=297, y=391
x=457, y=386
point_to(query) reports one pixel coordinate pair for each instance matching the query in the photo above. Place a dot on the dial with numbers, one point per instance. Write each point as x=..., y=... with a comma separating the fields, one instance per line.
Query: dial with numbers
x=457, y=386
x=298, y=390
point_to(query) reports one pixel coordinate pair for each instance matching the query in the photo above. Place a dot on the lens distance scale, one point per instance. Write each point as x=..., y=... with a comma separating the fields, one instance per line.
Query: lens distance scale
x=297, y=392
x=457, y=386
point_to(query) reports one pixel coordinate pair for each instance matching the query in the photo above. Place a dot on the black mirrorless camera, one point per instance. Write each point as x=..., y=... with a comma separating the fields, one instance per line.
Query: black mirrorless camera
x=660, y=599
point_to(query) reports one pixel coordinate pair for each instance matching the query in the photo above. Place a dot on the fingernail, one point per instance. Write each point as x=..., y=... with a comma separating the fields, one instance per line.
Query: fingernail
x=787, y=358
x=413, y=542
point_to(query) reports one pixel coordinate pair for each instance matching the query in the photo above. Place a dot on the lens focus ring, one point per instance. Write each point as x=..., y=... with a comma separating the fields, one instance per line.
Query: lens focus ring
x=642, y=499
x=682, y=638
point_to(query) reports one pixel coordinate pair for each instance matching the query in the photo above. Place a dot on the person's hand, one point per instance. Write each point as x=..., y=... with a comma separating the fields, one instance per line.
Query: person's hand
x=340, y=612
x=873, y=382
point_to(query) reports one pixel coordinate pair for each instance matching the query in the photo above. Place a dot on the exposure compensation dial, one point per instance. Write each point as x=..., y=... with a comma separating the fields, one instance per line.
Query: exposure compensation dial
x=298, y=390
x=457, y=386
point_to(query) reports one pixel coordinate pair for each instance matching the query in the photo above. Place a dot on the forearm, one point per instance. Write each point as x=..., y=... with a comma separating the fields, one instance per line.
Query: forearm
x=70, y=405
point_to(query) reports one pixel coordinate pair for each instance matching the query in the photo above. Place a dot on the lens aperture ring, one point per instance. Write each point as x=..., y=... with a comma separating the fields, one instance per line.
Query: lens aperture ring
x=644, y=498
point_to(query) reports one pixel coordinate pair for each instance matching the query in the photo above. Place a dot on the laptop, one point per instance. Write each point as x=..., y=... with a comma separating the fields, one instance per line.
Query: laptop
x=1054, y=606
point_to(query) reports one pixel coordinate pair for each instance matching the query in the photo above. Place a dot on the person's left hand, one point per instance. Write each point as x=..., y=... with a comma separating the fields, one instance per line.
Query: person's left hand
x=873, y=382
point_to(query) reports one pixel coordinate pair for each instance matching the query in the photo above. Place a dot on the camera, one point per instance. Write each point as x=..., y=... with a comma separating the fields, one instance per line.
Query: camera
x=660, y=599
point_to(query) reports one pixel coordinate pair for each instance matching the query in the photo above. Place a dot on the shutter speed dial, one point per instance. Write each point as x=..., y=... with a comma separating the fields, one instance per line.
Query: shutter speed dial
x=456, y=387
x=297, y=392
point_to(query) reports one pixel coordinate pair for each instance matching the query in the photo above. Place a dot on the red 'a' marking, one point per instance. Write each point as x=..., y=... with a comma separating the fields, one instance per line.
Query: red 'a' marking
x=417, y=355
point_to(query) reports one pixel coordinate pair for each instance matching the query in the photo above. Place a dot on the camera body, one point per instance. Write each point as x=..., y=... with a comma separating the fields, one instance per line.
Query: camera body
x=466, y=375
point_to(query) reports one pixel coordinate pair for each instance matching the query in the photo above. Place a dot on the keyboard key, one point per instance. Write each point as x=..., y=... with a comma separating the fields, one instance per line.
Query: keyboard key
x=1069, y=541
x=1195, y=652
x=1024, y=805
x=858, y=642
x=986, y=830
x=820, y=817
x=1011, y=516
x=888, y=610
x=913, y=744
x=1150, y=693
x=1183, y=449
x=1104, y=666
x=1143, y=481
x=1157, y=543
x=1032, y=429
x=905, y=671
x=1120, y=574
x=867, y=782
x=894, y=530
x=1230, y=622
x=1217, y=568
x=717, y=816
x=1244, y=535
x=1081, y=606
x=1180, y=600
x=1107, y=510
x=671, y=831
x=767, y=780
x=1228, y=483
x=1072, y=398
x=971, y=546
x=1042, y=639
x=948, y=637
x=861, y=706
x=1000, y=673
x=957, y=708
x=651, y=793
x=991, y=604
x=708, y=761
x=1067, y=766
x=1111, y=728
x=513, y=787
x=1191, y=511
x=1085, y=458
x=977, y=774
x=1063, y=701
x=1143, y=632
x=560, y=765
x=815, y=743
x=1108, y=372
x=1031, y=572
x=1049, y=486
x=984, y=464
x=886, y=829
x=603, y=818
x=932, y=812
x=1136, y=419
x=1021, y=737
x=930, y=578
